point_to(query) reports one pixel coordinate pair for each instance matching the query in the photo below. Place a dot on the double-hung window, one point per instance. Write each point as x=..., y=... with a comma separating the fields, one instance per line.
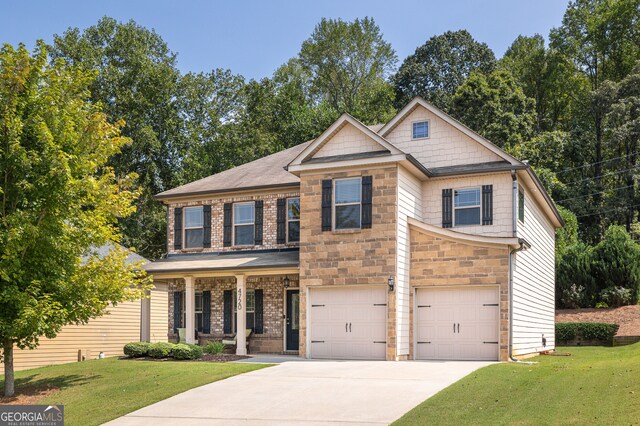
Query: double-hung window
x=466, y=205
x=293, y=220
x=198, y=311
x=348, y=203
x=420, y=130
x=193, y=227
x=244, y=223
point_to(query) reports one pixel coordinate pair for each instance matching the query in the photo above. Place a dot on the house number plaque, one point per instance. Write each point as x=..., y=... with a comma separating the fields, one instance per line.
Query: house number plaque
x=239, y=299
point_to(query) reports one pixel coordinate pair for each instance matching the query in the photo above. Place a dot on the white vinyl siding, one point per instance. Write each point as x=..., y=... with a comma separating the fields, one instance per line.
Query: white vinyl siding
x=409, y=205
x=534, y=283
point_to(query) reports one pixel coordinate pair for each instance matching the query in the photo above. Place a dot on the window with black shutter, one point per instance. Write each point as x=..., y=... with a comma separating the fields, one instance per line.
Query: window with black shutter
x=177, y=228
x=293, y=219
x=258, y=223
x=259, y=312
x=177, y=310
x=281, y=220
x=327, y=190
x=520, y=205
x=227, y=311
x=367, y=195
x=227, y=225
x=206, y=312
x=487, y=204
x=206, y=239
x=447, y=208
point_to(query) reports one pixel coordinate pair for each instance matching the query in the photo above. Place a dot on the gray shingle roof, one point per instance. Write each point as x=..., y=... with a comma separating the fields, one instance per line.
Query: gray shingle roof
x=263, y=172
x=224, y=261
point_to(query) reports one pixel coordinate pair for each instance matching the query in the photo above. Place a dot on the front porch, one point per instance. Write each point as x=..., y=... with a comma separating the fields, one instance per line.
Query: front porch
x=216, y=296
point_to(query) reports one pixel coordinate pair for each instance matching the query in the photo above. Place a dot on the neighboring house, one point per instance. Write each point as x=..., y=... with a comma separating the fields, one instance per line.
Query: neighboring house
x=417, y=239
x=127, y=322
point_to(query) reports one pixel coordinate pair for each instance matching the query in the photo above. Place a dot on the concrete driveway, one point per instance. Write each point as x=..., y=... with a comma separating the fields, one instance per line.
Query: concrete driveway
x=319, y=392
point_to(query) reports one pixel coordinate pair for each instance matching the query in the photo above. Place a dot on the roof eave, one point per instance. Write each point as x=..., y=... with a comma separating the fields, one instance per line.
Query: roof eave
x=163, y=197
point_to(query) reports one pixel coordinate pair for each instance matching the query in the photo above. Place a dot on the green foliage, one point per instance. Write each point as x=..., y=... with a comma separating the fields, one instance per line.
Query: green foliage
x=137, y=349
x=616, y=263
x=214, y=348
x=567, y=331
x=575, y=284
x=348, y=63
x=161, y=350
x=568, y=234
x=614, y=297
x=496, y=107
x=437, y=68
x=182, y=351
x=59, y=201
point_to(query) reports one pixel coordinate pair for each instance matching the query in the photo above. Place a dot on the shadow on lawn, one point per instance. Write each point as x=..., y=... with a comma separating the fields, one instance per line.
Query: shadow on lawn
x=30, y=389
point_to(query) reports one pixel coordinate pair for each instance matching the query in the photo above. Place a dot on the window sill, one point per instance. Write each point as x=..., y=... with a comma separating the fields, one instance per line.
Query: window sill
x=192, y=250
x=347, y=231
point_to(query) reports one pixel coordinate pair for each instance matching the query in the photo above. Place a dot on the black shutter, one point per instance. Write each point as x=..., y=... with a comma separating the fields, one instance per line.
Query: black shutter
x=367, y=194
x=206, y=312
x=206, y=228
x=227, y=310
x=257, y=237
x=177, y=310
x=447, y=208
x=281, y=219
x=259, y=323
x=227, y=225
x=487, y=204
x=327, y=189
x=177, y=228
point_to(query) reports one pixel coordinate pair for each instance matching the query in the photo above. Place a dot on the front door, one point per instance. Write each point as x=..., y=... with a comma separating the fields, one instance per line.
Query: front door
x=293, y=319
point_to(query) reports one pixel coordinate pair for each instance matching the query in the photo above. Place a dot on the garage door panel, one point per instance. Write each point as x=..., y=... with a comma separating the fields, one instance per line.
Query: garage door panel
x=458, y=322
x=352, y=325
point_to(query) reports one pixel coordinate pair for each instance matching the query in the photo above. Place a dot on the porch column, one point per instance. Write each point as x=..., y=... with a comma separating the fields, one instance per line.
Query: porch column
x=241, y=316
x=190, y=308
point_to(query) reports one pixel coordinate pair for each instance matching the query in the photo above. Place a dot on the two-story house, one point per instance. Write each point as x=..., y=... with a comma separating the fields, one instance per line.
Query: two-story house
x=416, y=239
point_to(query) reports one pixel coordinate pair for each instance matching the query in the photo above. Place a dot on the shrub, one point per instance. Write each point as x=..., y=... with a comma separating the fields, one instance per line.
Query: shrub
x=137, y=349
x=214, y=348
x=567, y=331
x=616, y=296
x=575, y=286
x=183, y=351
x=160, y=350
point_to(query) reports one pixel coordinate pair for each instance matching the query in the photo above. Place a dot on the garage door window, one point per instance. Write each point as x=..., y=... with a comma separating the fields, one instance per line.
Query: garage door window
x=466, y=206
x=347, y=203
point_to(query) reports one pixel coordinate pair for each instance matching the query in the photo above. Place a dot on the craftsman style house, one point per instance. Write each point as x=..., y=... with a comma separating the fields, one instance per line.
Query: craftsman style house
x=416, y=239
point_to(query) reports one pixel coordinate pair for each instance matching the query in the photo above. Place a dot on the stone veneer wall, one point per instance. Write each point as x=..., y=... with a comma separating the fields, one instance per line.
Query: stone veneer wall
x=440, y=262
x=348, y=257
x=270, y=226
x=271, y=341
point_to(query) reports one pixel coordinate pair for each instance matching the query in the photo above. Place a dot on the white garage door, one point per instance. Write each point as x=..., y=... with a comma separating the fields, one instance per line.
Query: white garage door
x=457, y=323
x=348, y=323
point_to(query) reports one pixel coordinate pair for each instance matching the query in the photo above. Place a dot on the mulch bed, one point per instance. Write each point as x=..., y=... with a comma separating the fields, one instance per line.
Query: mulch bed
x=29, y=394
x=205, y=358
x=627, y=317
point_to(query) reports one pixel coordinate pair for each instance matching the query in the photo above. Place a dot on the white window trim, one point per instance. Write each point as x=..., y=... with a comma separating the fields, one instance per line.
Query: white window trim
x=428, y=129
x=479, y=188
x=233, y=222
x=291, y=220
x=185, y=228
x=333, y=201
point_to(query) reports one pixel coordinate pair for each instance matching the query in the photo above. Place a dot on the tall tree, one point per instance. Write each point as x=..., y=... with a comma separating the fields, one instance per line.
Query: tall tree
x=495, y=106
x=137, y=81
x=440, y=66
x=58, y=199
x=349, y=63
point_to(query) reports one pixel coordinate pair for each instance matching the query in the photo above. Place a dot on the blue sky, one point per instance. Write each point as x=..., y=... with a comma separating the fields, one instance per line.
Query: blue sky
x=254, y=37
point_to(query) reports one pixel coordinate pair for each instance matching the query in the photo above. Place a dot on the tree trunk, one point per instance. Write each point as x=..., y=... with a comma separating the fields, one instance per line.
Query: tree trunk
x=8, y=367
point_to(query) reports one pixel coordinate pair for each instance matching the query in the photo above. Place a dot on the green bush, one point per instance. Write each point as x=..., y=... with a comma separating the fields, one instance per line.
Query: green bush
x=214, y=348
x=567, y=331
x=183, y=351
x=137, y=349
x=614, y=297
x=160, y=350
x=575, y=286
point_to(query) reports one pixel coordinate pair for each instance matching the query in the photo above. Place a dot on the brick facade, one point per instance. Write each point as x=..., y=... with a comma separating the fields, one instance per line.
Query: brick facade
x=269, y=230
x=439, y=262
x=271, y=340
x=348, y=257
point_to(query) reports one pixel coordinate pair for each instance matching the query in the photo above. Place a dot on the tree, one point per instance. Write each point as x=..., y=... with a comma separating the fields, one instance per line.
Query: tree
x=440, y=66
x=137, y=81
x=495, y=106
x=59, y=199
x=348, y=63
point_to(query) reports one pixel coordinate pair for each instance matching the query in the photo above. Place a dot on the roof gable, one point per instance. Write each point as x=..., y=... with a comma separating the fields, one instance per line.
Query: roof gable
x=346, y=136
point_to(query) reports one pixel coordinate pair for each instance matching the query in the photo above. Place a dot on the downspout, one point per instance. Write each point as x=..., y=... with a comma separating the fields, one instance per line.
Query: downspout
x=512, y=252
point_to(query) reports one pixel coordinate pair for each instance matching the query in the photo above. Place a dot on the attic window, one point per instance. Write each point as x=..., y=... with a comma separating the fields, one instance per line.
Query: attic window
x=420, y=130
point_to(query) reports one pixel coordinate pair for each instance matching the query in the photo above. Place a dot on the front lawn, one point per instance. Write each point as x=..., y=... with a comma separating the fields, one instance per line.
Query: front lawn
x=97, y=391
x=596, y=385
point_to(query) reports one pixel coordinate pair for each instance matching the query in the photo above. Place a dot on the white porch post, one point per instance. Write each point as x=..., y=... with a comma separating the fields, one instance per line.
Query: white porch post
x=241, y=316
x=190, y=307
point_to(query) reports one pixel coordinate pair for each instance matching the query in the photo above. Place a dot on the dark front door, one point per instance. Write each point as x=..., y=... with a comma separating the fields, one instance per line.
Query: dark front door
x=293, y=319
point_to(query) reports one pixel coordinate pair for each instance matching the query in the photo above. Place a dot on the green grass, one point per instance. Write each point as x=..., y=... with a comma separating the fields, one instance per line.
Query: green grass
x=596, y=385
x=96, y=391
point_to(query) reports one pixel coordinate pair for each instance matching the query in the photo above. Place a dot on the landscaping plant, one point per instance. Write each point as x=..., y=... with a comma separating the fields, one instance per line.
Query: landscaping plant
x=214, y=348
x=137, y=349
x=161, y=350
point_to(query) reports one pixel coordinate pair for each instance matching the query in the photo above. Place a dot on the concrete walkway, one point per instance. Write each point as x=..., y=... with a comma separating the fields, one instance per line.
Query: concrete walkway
x=328, y=392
